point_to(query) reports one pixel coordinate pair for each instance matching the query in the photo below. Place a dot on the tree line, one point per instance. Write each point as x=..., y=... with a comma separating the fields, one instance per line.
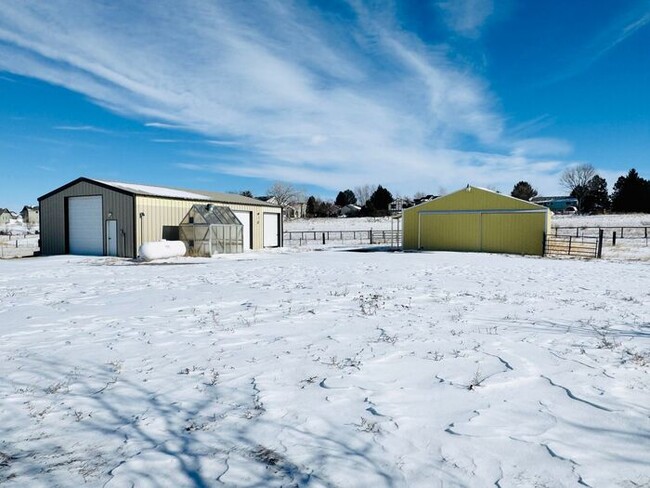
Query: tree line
x=631, y=193
x=366, y=202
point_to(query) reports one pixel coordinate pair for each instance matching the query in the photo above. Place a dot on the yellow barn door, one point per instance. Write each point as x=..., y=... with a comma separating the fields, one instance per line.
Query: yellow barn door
x=513, y=233
x=450, y=232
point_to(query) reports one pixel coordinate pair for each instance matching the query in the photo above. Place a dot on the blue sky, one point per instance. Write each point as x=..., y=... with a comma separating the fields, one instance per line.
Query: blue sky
x=231, y=95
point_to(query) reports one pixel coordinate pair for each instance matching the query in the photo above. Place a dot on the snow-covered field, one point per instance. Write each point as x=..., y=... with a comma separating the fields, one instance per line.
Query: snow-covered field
x=325, y=368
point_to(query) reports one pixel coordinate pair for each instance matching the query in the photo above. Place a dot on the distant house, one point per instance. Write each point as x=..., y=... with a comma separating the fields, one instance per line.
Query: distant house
x=5, y=216
x=293, y=210
x=425, y=198
x=30, y=215
x=350, y=210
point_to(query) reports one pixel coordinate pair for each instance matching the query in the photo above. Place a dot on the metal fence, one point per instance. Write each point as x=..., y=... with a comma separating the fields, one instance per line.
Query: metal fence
x=582, y=247
x=616, y=232
x=307, y=237
x=18, y=247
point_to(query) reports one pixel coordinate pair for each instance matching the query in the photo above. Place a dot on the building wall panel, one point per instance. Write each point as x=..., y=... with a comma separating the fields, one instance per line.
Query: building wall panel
x=514, y=233
x=115, y=205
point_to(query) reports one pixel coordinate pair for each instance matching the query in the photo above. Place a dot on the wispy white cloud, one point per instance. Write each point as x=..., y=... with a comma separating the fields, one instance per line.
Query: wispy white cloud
x=618, y=35
x=466, y=17
x=163, y=125
x=618, y=30
x=304, y=98
x=541, y=146
x=82, y=128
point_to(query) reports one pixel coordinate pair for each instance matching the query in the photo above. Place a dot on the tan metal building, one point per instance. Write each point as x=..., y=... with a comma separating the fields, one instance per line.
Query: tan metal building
x=107, y=218
x=477, y=220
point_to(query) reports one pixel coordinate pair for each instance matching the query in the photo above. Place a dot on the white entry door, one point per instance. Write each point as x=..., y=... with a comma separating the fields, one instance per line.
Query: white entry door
x=85, y=229
x=271, y=230
x=245, y=219
x=111, y=237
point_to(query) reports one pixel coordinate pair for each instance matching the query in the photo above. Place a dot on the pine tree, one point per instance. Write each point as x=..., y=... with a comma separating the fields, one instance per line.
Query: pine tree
x=378, y=202
x=310, y=210
x=631, y=193
x=524, y=191
x=595, y=198
x=345, y=198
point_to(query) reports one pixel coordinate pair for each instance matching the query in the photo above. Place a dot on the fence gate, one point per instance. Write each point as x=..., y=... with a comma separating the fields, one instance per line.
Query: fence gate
x=581, y=247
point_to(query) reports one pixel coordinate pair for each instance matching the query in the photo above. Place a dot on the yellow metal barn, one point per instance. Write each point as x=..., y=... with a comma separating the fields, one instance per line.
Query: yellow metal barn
x=477, y=220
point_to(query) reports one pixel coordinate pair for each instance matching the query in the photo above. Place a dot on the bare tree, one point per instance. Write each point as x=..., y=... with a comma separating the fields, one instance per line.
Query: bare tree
x=285, y=193
x=363, y=193
x=577, y=177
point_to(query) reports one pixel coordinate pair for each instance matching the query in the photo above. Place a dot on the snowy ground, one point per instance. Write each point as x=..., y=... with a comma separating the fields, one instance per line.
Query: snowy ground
x=325, y=368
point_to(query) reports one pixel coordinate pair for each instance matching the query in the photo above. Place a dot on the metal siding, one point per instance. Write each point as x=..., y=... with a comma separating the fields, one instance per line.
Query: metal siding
x=163, y=211
x=514, y=233
x=410, y=230
x=53, y=217
x=450, y=232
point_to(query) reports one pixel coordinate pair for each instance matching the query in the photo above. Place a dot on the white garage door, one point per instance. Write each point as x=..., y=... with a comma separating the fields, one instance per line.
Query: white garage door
x=85, y=231
x=245, y=219
x=271, y=230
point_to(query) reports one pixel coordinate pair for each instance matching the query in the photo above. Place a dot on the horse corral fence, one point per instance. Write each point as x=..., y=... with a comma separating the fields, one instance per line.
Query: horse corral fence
x=581, y=247
x=613, y=232
x=18, y=247
x=305, y=237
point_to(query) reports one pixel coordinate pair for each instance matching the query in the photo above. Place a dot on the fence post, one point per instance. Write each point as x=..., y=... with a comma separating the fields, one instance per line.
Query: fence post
x=622, y=232
x=599, y=252
x=577, y=230
x=323, y=238
x=614, y=238
x=370, y=234
x=544, y=243
x=569, y=253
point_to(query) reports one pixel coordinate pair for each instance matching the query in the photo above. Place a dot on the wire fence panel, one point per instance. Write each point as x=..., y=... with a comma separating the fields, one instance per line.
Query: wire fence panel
x=622, y=232
x=583, y=247
x=310, y=237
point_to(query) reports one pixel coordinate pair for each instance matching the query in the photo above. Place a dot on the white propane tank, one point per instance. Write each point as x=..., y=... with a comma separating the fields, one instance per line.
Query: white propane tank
x=161, y=250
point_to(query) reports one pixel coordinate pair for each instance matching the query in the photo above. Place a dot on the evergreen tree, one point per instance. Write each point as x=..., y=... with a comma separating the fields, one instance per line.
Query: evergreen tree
x=310, y=210
x=524, y=191
x=631, y=193
x=345, y=198
x=595, y=198
x=377, y=204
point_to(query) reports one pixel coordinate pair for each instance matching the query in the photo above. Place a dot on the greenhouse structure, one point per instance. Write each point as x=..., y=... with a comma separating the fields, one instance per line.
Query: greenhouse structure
x=211, y=229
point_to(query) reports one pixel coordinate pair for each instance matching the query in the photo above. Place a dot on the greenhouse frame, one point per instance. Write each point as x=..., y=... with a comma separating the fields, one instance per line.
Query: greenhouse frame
x=211, y=229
